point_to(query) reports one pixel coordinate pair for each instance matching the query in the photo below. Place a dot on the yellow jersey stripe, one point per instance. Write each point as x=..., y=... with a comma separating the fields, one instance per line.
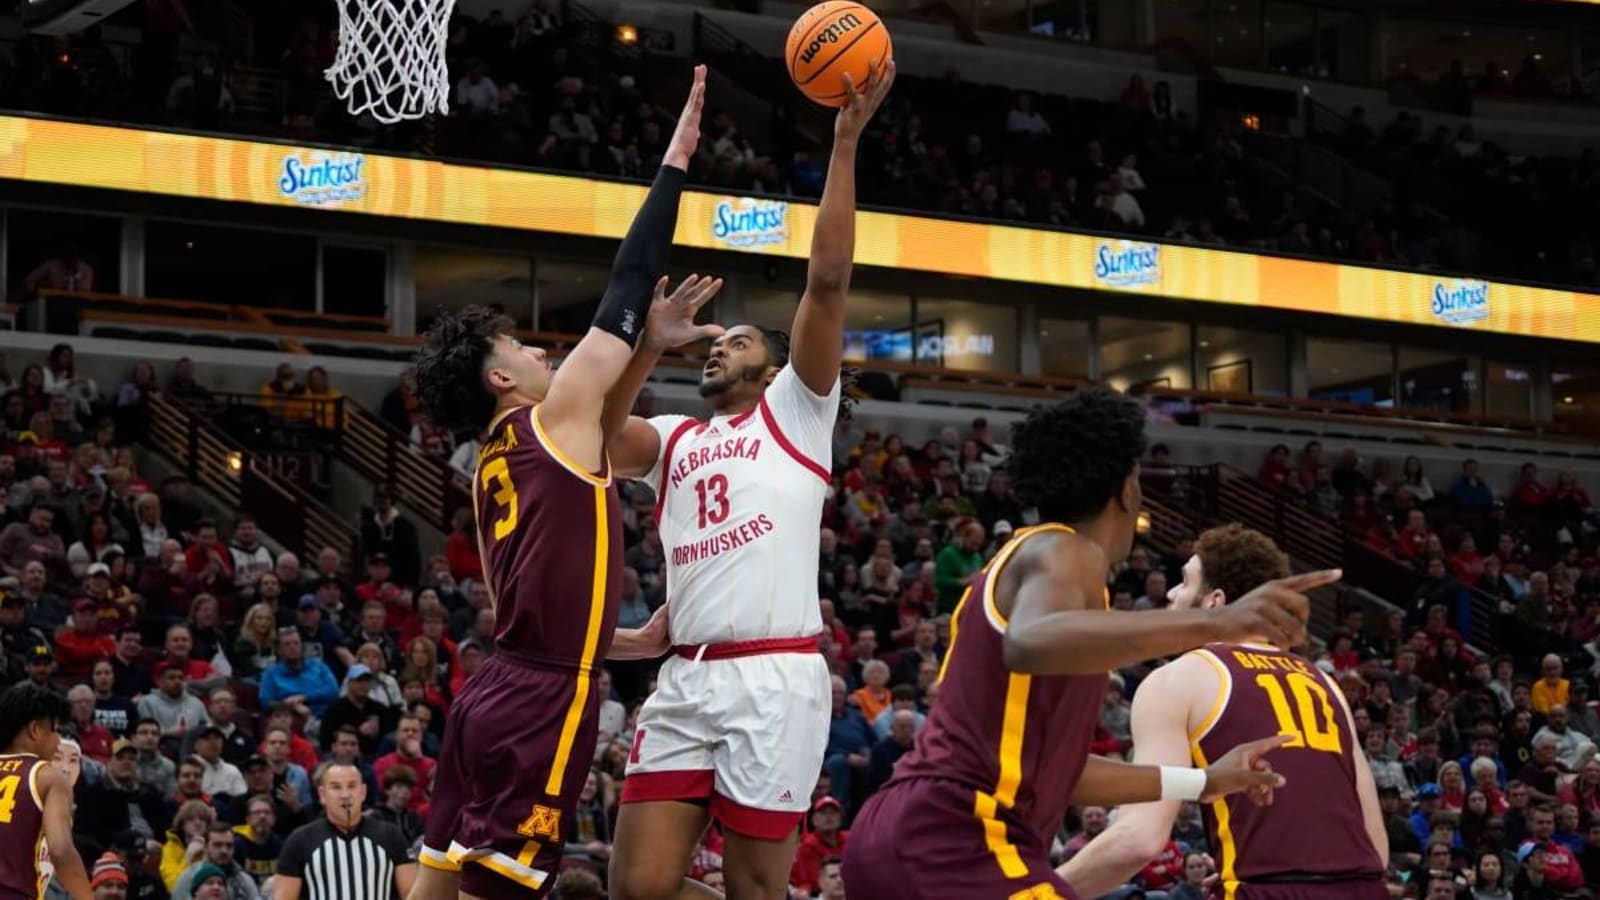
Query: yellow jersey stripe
x=1224, y=690
x=992, y=570
x=994, y=836
x=1011, y=730
x=565, y=460
x=955, y=629
x=591, y=642
x=1230, y=852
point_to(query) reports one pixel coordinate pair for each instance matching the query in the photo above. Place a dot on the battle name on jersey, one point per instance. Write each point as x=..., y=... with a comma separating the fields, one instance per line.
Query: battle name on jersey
x=723, y=541
x=1271, y=663
x=731, y=448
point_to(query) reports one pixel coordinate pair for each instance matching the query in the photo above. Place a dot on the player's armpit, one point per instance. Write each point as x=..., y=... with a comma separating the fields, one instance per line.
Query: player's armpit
x=634, y=448
x=1140, y=830
x=70, y=871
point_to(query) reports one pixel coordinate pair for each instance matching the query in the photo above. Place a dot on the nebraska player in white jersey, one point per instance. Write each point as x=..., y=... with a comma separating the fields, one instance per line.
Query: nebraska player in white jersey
x=739, y=720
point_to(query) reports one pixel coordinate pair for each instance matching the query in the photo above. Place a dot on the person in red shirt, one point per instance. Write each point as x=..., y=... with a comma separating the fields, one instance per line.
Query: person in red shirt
x=1275, y=471
x=461, y=550
x=1529, y=495
x=397, y=603
x=79, y=645
x=825, y=840
x=1163, y=872
x=94, y=739
x=408, y=752
x=210, y=560
x=1414, y=536
x=1466, y=564
x=1561, y=869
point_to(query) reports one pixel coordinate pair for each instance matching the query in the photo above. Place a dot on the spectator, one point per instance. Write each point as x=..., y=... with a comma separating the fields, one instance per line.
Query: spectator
x=1470, y=492
x=409, y=752
x=887, y=752
x=249, y=558
x=173, y=708
x=120, y=801
x=306, y=685
x=66, y=270
x=399, y=784
x=1560, y=866
x=81, y=644
x=385, y=531
x=254, y=651
x=356, y=709
x=186, y=841
x=1551, y=689
x=34, y=540
x=255, y=846
x=281, y=396
x=219, y=778
x=290, y=784
x=825, y=840
x=958, y=564
x=1574, y=750
x=217, y=855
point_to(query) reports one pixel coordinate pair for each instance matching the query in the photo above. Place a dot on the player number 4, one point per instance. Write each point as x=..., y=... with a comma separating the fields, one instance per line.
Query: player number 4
x=713, y=494
x=8, y=797
x=1310, y=723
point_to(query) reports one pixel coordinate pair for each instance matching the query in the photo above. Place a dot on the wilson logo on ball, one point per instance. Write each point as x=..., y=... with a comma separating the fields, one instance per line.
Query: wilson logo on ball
x=847, y=23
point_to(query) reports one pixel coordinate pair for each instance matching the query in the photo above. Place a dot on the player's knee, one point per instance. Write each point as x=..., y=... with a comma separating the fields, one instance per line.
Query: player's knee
x=748, y=882
x=636, y=878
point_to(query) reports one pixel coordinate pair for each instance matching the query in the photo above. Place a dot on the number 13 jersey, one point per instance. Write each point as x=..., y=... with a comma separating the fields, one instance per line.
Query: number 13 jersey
x=1314, y=826
x=739, y=505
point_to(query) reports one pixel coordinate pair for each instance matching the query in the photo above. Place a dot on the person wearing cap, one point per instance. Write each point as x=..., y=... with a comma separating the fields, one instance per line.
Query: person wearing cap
x=825, y=840
x=305, y=684
x=80, y=644
x=173, y=707
x=110, y=878
x=1427, y=800
x=210, y=883
x=218, y=777
x=119, y=801
x=356, y=709
x=1561, y=869
x=320, y=637
x=39, y=665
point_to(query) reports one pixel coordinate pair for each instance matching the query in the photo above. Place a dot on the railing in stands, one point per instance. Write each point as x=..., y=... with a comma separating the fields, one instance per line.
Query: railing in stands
x=425, y=484
x=215, y=461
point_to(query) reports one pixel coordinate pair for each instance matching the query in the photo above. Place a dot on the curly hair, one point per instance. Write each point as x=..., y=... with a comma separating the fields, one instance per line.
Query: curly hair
x=1071, y=458
x=23, y=704
x=1237, y=560
x=450, y=383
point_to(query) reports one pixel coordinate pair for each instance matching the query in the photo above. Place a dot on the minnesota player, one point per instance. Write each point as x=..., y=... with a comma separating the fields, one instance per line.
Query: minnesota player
x=971, y=810
x=739, y=720
x=35, y=798
x=521, y=735
x=1210, y=698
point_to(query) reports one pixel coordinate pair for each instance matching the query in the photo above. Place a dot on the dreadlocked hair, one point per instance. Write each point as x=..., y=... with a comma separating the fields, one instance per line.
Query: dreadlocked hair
x=1071, y=458
x=1237, y=560
x=450, y=383
x=26, y=703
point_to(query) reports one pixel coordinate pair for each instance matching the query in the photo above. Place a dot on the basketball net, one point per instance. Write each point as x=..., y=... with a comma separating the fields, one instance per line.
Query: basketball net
x=390, y=62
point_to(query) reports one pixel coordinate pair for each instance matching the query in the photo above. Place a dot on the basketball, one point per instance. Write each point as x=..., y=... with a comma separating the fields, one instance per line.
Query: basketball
x=833, y=38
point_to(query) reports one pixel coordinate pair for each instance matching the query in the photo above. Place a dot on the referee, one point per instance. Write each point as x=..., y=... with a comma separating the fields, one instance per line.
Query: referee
x=342, y=856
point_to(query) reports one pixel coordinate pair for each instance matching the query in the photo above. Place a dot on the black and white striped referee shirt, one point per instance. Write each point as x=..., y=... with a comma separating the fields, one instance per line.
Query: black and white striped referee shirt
x=338, y=865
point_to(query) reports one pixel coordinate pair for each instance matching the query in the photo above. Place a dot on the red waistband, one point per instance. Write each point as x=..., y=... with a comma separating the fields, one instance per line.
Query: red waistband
x=736, y=649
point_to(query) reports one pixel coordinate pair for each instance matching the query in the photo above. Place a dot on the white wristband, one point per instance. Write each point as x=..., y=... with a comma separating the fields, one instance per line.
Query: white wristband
x=1182, y=783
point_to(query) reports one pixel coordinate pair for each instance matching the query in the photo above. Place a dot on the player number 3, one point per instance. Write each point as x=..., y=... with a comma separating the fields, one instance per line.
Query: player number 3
x=1312, y=708
x=496, y=476
x=713, y=494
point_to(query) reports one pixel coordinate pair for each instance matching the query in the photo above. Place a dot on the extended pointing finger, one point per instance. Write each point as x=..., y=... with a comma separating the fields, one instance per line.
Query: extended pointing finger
x=1306, y=581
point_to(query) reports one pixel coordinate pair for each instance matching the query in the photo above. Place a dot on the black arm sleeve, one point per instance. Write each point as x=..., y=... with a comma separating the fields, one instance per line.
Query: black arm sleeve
x=641, y=259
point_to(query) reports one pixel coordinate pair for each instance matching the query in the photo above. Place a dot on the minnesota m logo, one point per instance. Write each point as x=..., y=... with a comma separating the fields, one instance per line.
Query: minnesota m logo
x=544, y=822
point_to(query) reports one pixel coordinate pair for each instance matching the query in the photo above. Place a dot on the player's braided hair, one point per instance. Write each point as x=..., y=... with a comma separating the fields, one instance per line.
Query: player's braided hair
x=1237, y=560
x=450, y=384
x=26, y=703
x=1071, y=458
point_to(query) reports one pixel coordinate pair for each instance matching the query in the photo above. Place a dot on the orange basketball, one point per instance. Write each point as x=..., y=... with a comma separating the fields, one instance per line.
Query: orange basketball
x=833, y=38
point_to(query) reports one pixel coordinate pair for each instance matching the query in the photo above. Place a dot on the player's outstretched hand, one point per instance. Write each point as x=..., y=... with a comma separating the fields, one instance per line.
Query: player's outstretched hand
x=1276, y=611
x=863, y=102
x=686, y=137
x=670, y=322
x=1244, y=768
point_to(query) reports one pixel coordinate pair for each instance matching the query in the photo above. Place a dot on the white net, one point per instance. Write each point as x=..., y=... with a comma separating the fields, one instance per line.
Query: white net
x=390, y=62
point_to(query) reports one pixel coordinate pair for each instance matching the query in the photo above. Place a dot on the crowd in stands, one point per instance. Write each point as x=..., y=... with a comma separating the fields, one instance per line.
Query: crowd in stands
x=532, y=90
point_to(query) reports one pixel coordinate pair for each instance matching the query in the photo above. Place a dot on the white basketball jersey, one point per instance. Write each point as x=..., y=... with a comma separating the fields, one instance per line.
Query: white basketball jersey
x=739, y=507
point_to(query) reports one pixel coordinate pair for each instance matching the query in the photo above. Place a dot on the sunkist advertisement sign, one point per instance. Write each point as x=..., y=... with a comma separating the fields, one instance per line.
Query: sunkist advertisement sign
x=186, y=165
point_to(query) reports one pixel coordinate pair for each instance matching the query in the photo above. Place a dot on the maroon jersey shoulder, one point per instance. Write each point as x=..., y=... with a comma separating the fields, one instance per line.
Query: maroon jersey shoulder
x=21, y=827
x=551, y=534
x=1263, y=692
x=1018, y=741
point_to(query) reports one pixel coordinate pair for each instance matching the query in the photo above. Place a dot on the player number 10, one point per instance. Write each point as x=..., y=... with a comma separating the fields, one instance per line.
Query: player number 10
x=1312, y=708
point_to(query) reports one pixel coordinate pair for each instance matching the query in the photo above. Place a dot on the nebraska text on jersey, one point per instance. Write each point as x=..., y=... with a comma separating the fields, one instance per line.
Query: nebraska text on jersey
x=732, y=448
x=722, y=541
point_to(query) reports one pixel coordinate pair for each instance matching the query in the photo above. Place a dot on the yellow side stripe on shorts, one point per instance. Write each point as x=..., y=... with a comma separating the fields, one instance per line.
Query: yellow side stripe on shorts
x=434, y=859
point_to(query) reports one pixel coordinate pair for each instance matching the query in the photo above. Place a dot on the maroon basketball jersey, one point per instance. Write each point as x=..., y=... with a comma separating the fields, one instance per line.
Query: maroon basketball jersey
x=1019, y=742
x=1314, y=826
x=551, y=534
x=21, y=828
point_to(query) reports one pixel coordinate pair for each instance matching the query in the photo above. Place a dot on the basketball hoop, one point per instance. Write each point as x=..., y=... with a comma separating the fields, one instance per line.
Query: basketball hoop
x=391, y=58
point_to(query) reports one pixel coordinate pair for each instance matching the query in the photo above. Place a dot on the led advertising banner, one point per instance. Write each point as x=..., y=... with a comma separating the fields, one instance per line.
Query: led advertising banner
x=181, y=165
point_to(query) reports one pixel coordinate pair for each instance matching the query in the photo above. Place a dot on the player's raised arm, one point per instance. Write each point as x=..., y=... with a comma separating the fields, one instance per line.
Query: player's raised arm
x=817, y=341
x=572, y=408
x=630, y=441
x=1058, y=624
x=58, y=834
x=1160, y=738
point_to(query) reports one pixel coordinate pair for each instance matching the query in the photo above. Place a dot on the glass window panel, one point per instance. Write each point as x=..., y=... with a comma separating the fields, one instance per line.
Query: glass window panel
x=1438, y=379
x=1350, y=371
x=1240, y=361
x=1064, y=347
x=1575, y=391
x=36, y=237
x=963, y=334
x=769, y=307
x=453, y=277
x=1508, y=389
x=877, y=326
x=208, y=263
x=1137, y=353
x=355, y=281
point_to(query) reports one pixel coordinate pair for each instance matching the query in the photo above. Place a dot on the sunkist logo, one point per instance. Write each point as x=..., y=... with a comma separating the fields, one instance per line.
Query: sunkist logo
x=1127, y=263
x=322, y=177
x=747, y=222
x=1461, y=302
x=842, y=26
